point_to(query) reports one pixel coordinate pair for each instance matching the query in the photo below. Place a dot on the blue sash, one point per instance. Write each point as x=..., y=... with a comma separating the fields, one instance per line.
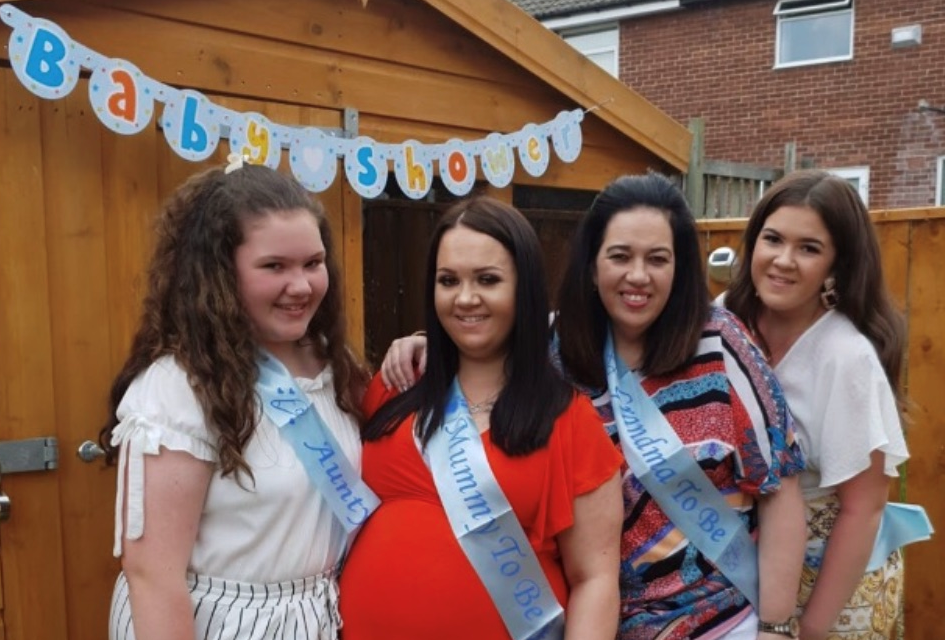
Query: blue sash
x=902, y=524
x=329, y=471
x=660, y=461
x=487, y=529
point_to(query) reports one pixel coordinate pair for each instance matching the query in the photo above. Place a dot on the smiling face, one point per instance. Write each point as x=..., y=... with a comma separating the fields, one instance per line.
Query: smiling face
x=282, y=276
x=634, y=273
x=793, y=255
x=474, y=293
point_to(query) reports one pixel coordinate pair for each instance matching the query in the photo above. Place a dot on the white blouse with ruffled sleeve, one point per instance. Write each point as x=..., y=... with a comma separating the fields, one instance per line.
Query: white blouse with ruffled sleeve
x=270, y=529
x=842, y=403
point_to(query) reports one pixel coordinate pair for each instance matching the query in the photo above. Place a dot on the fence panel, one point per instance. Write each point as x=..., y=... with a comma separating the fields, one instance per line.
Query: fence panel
x=911, y=242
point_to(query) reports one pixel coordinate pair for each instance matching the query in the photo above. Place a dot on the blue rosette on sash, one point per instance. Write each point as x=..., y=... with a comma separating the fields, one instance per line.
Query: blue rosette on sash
x=487, y=528
x=663, y=465
x=328, y=469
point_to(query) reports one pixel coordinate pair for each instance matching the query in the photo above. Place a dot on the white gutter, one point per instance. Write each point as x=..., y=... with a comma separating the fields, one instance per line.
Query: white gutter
x=610, y=15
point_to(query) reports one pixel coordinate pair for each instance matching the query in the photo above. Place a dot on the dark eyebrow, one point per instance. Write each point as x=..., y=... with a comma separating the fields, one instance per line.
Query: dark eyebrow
x=773, y=231
x=626, y=247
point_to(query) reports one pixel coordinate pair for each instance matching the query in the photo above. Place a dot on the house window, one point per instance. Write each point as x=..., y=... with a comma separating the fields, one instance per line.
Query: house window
x=940, y=182
x=813, y=32
x=599, y=46
x=859, y=177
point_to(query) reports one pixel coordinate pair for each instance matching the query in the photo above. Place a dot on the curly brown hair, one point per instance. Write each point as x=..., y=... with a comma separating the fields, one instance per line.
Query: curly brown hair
x=193, y=311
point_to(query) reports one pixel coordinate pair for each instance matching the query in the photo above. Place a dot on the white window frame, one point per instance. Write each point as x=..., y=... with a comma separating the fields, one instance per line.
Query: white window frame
x=862, y=177
x=940, y=182
x=609, y=32
x=787, y=11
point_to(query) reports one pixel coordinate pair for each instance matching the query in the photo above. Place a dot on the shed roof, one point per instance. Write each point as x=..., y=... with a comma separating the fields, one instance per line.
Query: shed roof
x=514, y=33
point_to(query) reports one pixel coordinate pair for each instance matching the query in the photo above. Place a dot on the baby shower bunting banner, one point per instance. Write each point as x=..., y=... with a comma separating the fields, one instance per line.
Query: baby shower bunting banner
x=48, y=63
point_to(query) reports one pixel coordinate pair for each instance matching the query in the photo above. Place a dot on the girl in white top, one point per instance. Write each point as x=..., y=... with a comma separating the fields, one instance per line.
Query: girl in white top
x=811, y=289
x=220, y=532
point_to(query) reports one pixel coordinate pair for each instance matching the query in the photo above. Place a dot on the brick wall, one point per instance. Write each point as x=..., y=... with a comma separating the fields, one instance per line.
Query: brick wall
x=716, y=61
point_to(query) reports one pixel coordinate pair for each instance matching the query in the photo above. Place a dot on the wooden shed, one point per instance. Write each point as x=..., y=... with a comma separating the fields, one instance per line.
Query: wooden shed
x=78, y=199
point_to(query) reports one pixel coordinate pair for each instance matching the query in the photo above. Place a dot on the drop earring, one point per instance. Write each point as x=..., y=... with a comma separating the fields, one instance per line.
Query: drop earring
x=829, y=296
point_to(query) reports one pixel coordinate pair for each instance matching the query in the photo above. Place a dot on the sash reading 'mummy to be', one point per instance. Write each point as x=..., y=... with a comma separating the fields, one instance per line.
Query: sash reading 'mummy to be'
x=336, y=480
x=488, y=530
x=660, y=461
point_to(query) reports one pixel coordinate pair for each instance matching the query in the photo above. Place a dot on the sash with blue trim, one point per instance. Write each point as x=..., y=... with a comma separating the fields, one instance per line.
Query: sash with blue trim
x=487, y=528
x=328, y=469
x=666, y=469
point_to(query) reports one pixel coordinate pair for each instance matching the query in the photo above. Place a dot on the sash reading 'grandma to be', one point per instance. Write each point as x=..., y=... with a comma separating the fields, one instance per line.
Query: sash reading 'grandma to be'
x=660, y=461
x=329, y=471
x=487, y=529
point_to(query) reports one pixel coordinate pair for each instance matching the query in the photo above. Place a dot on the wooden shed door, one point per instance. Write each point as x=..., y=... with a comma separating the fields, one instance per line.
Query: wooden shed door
x=66, y=295
x=76, y=209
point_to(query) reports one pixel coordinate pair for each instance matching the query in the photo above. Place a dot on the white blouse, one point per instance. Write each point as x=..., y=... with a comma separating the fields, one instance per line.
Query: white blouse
x=842, y=403
x=273, y=529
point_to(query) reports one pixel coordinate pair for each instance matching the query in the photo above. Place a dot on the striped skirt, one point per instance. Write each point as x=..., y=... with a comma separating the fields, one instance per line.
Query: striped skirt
x=304, y=609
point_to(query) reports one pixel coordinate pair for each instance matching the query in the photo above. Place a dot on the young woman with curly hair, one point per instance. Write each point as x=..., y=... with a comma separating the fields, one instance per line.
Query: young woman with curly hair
x=219, y=530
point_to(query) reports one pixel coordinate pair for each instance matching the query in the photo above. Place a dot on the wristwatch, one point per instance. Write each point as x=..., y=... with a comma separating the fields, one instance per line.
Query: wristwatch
x=789, y=627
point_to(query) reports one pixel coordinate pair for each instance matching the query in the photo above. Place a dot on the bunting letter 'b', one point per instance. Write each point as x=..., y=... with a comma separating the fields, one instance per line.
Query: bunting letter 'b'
x=41, y=57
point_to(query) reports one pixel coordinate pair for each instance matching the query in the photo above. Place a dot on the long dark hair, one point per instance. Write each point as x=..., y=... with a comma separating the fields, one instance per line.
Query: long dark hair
x=193, y=311
x=534, y=394
x=857, y=268
x=582, y=320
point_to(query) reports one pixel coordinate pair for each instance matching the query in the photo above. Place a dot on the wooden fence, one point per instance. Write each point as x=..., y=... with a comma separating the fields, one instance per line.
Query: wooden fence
x=718, y=189
x=912, y=242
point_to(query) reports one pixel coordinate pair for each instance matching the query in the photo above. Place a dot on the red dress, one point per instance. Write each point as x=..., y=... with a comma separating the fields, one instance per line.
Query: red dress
x=406, y=576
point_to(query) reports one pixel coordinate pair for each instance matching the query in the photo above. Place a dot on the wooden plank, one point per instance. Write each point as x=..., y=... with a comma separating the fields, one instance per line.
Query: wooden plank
x=353, y=265
x=724, y=224
x=895, y=251
x=81, y=343
x=920, y=213
x=31, y=550
x=695, y=177
x=741, y=171
x=384, y=30
x=131, y=203
x=924, y=596
x=894, y=246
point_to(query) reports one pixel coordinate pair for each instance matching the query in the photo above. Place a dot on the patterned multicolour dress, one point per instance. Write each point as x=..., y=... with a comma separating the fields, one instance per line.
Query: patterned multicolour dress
x=728, y=409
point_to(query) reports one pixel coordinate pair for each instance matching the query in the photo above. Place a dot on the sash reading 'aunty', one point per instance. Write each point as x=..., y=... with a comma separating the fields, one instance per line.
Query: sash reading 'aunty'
x=328, y=469
x=488, y=530
x=660, y=461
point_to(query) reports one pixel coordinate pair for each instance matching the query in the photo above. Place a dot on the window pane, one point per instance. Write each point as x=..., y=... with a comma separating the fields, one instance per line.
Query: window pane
x=599, y=46
x=816, y=37
x=605, y=60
